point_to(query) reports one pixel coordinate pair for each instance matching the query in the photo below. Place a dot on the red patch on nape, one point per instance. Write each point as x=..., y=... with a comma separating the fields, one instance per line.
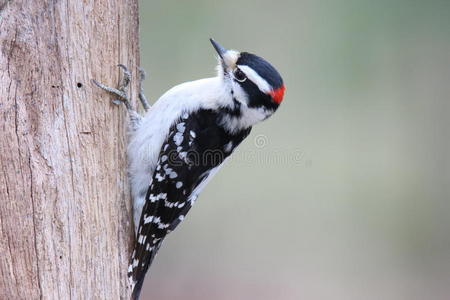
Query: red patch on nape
x=277, y=94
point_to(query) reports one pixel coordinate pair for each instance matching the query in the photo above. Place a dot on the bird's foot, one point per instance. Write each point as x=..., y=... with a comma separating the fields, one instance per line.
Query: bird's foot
x=142, y=97
x=121, y=91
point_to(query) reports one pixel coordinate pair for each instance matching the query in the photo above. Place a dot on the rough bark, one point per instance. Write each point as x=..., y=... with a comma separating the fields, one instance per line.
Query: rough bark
x=65, y=212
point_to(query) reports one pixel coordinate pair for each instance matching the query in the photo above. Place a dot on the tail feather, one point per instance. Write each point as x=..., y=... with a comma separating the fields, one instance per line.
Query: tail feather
x=137, y=289
x=139, y=267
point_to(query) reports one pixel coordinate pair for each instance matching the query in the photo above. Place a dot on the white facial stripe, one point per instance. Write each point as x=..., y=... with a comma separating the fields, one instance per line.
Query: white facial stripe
x=258, y=80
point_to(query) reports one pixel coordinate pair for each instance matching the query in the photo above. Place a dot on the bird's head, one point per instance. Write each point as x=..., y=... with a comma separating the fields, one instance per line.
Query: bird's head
x=255, y=84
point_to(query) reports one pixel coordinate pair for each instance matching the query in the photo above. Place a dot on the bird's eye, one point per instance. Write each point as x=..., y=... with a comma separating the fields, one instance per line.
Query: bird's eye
x=239, y=75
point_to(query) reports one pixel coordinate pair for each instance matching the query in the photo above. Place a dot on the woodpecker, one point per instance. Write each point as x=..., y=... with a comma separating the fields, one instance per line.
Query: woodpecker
x=184, y=139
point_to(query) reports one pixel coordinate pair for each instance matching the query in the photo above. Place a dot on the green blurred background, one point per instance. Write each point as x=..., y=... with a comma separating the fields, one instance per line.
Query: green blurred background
x=343, y=193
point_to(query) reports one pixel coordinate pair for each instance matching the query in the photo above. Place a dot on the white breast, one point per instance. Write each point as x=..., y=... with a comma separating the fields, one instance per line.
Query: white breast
x=146, y=142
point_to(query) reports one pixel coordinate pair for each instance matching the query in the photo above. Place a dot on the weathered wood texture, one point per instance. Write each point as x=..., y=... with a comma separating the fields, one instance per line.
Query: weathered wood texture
x=65, y=212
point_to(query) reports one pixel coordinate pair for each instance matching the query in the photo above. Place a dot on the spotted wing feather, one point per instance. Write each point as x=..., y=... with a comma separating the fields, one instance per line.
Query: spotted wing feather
x=194, y=150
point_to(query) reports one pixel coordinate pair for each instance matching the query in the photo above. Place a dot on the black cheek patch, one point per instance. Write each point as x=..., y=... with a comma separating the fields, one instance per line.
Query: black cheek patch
x=256, y=97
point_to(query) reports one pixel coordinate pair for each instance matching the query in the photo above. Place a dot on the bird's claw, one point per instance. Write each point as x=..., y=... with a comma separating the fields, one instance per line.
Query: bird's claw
x=117, y=101
x=123, y=85
x=142, y=97
x=142, y=73
x=122, y=91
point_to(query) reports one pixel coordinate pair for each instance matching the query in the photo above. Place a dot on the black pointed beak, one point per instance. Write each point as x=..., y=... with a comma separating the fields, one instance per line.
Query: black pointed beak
x=220, y=50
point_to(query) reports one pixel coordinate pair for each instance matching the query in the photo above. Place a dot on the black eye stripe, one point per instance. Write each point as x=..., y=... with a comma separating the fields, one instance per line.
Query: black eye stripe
x=239, y=75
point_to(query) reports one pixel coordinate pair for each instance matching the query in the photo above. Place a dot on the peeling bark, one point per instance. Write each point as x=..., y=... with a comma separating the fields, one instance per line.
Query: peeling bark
x=65, y=211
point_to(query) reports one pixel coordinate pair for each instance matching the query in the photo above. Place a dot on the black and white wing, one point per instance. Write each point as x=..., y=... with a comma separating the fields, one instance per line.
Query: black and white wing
x=194, y=150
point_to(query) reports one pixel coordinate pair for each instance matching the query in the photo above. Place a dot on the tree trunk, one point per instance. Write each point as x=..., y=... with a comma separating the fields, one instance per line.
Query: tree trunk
x=65, y=211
